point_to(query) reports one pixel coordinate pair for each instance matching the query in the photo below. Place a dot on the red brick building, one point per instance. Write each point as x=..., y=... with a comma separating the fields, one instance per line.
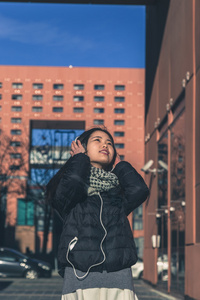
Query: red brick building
x=66, y=98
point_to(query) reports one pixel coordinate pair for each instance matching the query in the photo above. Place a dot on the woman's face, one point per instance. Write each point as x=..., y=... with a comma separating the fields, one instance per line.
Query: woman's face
x=100, y=149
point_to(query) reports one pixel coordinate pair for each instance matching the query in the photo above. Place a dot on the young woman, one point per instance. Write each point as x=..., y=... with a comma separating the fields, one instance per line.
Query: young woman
x=94, y=192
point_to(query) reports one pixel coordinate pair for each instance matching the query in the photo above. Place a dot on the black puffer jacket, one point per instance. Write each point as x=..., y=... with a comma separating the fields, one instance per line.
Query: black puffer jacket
x=81, y=215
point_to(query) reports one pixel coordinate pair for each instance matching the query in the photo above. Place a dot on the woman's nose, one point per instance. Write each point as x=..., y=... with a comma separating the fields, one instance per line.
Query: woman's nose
x=105, y=145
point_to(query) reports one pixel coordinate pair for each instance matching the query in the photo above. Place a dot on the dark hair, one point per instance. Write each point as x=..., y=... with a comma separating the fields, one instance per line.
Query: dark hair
x=83, y=138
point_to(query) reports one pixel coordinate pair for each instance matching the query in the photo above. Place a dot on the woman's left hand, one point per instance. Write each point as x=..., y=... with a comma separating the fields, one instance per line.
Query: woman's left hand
x=76, y=147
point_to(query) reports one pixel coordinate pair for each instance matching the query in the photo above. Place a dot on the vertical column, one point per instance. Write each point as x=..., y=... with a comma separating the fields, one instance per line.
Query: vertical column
x=170, y=118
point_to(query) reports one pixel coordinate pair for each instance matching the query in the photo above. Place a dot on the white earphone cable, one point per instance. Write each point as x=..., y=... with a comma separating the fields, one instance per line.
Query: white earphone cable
x=73, y=242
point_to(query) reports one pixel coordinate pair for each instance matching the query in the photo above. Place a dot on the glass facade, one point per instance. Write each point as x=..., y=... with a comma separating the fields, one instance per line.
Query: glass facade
x=50, y=149
x=162, y=176
x=25, y=212
x=171, y=150
x=178, y=202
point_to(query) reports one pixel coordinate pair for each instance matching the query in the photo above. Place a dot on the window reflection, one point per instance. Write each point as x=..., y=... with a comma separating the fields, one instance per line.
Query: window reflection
x=178, y=202
x=162, y=177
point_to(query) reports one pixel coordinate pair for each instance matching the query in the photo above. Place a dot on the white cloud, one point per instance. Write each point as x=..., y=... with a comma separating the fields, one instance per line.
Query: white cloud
x=41, y=33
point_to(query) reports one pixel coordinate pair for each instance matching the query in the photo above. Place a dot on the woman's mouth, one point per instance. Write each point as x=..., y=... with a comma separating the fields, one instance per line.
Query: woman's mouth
x=106, y=152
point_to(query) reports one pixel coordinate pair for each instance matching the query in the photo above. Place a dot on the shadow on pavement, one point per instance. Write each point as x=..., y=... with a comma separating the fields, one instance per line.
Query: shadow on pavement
x=4, y=284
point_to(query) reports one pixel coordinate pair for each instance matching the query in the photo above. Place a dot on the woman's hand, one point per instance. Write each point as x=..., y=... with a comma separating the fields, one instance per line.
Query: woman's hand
x=76, y=148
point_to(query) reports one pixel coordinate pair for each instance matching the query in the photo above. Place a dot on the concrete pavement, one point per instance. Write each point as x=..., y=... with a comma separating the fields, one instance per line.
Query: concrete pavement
x=43, y=289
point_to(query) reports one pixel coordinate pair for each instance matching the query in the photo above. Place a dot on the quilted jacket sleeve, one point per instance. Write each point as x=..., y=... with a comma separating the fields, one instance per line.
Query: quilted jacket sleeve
x=133, y=186
x=72, y=187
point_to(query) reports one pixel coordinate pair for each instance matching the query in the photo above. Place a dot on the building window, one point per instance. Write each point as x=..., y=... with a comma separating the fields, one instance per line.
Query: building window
x=14, y=167
x=16, y=108
x=37, y=109
x=37, y=86
x=119, y=99
x=17, y=85
x=119, y=110
x=121, y=157
x=138, y=218
x=15, y=144
x=0, y=108
x=78, y=98
x=99, y=99
x=99, y=87
x=179, y=182
x=179, y=171
x=16, y=120
x=78, y=109
x=16, y=132
x=119, y=87
x=58, y=98
x=57, y=109
x=180, y=158
x=119, y=146
x=98, y=110
x=98, y=122
x=58, y=86
x=1, y=84
x=119, y=133
x=15, y=155
x=16, y=97
x=78, y=87
x=37, y=97
x=25, y=212
x=0, y=96
x=119, y=122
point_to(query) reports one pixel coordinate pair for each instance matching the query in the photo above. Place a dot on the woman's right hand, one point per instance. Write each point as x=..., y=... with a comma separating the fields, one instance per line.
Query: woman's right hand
x=76, y=147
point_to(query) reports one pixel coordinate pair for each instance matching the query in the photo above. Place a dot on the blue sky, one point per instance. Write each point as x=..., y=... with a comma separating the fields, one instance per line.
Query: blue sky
x=79, y=35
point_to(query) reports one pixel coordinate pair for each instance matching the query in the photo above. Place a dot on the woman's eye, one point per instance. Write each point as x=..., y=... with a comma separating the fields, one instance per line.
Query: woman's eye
x=97, y=140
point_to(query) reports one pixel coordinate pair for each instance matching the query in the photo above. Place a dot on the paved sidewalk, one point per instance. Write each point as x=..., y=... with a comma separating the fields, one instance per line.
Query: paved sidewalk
x=145, y=291
x=43, y=289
